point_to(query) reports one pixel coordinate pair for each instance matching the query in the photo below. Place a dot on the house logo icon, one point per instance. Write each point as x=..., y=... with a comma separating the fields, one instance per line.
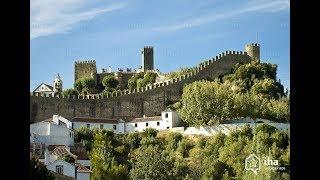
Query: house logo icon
x=253, y=163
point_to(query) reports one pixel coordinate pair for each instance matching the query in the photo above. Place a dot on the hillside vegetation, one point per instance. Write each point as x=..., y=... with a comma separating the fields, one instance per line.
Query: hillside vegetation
x=250, y=90
x=150, y=155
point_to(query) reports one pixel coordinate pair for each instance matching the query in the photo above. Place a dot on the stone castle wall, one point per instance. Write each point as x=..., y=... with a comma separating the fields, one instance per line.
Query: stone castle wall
x=127, y=104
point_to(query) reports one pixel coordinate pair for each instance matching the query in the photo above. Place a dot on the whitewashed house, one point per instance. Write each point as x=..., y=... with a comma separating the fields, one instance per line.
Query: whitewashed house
x=54, y=162
x=53, y=131
x=44, y=89
x=115, y=125
x=167, y=120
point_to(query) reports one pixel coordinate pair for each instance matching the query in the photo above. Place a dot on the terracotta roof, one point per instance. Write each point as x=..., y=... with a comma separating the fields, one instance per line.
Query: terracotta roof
x=144, y=119
x=94, y=120
x=52, y=147
x=81, y=168
x=60, y=151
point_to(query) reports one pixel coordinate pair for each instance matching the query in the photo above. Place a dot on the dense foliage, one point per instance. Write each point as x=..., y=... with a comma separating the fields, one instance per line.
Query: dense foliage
x=169, y=155
x=179, y=73
x=141, y=80
x=70, y=92
x=250, y=91
x=85, y=86
x=110, y=83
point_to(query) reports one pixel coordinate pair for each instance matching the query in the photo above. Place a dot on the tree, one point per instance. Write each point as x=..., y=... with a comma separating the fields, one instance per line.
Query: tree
x=38, y=171
x=150, y=165
x=78, y=86
x=85, y=86
x=85, y=136
x=110, y=82
x=269, y=88
x=132, y=82
x=70, y=92
x=102, y=159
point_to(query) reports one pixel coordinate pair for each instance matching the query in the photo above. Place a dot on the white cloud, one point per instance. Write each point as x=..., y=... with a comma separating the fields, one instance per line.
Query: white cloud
x=264, y=6
x=59, y=16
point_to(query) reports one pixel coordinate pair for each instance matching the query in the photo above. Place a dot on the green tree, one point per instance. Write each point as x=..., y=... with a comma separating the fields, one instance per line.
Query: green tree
x=110, y=82
x=85, y=136
x=70, y=92
x=85, y=86
x=269, y=88
x=150, y=165
x=102, y=159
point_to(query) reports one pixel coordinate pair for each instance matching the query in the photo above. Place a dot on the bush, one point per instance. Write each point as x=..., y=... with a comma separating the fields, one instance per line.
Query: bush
x=110, y=82
x=70, y=92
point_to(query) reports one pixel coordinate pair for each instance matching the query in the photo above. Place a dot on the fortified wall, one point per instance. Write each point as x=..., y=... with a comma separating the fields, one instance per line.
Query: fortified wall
x=128, y=104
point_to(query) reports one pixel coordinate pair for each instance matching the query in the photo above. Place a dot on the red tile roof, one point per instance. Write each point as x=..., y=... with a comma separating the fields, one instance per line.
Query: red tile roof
x=52, y=147
x=81, y=168
x=144, y=119
x=94, y=120
x=60, y=151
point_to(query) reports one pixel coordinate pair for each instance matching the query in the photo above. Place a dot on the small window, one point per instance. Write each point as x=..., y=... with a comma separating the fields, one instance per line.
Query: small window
x=59, y=169
x=114, y=127
x=135, y=125
x=101, y=126
x=168, y=127
x=70, y=134
x=158, y=123
x=88, y=125
x=147, y=124
x=166, y=115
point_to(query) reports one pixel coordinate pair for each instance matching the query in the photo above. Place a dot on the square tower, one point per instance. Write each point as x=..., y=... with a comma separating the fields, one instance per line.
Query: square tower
x=147, y=58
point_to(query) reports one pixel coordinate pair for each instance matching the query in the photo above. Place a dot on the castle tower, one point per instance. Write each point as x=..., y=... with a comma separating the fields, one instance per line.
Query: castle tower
x=57, y=84
x=84, y=69
x=147, y=58
x=253, y=50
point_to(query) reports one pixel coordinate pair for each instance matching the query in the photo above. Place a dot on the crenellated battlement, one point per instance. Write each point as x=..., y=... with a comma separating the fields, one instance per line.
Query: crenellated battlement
x=196, y=70
x=129, y=103
x=85, y=62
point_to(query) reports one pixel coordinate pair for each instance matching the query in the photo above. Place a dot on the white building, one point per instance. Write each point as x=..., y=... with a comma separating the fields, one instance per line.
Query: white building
x=55, y=163
x=44, y=89
x=114, y=125
x=47, y=90
x=167, y=120
x=53, y=131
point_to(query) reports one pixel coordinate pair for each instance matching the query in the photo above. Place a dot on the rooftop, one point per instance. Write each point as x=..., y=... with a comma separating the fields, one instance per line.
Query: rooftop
x=94, y=120
x=144, y=119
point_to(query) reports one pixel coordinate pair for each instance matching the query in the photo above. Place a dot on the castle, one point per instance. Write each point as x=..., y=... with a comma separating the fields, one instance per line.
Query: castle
x=87, y=69
x=132, y=103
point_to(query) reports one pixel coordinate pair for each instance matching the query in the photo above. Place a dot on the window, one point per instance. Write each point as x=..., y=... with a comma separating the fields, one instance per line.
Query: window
x=101, y=126
x=166, y=115
x=147, y=124
x=70, y=134
x=88, y=125
x=168, y=127
x=158, y=123
x=114, y=127
x=135, y=125
x=59, y=169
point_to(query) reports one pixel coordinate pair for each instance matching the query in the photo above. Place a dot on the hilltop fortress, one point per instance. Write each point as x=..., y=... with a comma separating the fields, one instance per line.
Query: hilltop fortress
x=128, y=104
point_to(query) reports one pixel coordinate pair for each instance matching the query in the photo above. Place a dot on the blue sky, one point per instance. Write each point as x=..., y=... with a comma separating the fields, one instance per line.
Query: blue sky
x=182, y=32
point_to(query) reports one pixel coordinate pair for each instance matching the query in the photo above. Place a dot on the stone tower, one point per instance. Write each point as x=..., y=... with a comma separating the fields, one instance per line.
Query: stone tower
x=253, y=50
x=83, y=69
x=147, y=58
x=57, y=84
